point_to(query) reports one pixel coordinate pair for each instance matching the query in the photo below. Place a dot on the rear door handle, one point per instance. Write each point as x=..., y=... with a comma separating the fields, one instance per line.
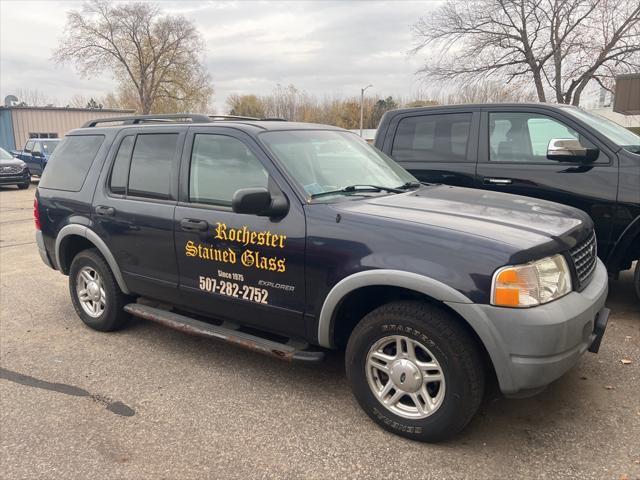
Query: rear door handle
x=105, y=211
x=498, y=181
x=192, y=225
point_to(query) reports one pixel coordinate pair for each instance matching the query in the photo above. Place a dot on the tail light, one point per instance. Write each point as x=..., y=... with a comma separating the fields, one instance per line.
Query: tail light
x=36, y=213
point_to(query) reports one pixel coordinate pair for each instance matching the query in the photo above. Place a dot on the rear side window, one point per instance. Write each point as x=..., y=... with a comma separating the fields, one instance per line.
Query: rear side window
x=70, y=163
x=151, y=165
x=432, y=138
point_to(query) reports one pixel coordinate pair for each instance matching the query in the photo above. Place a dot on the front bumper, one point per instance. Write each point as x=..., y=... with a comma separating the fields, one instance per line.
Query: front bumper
x=532, y=347
x=14, y=179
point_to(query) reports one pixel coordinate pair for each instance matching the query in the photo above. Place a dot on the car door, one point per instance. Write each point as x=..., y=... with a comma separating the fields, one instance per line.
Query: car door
x=37, y=159
x=26, y=157
x=244, y=268
x=134, y=205
x=513, y=148
x=437, y=146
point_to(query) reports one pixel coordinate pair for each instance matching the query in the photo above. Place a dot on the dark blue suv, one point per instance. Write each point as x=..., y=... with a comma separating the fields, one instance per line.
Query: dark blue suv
x=36, y=153
x=292, y=238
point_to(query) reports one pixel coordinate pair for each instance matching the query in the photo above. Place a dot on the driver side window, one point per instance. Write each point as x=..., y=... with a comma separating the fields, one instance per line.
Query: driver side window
x=524, y=137
x=221, y=165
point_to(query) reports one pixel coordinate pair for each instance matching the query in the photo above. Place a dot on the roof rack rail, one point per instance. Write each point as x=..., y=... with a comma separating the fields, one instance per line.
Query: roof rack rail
x=138, y=119
x=168, y=117
x=273, y=119
x=231, y=117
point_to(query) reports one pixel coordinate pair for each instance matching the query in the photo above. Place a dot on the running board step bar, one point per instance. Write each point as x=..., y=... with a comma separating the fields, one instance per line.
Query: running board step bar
x=290, y=351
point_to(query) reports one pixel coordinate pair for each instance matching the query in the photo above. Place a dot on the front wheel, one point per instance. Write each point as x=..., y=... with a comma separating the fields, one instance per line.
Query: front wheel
x=25, y=185
x=636, y=279
x=415, y=370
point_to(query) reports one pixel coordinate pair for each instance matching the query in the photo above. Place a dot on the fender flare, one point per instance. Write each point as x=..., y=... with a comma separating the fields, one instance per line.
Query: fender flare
x=93, y=237
x=435, y=289
x=623, y=242
x=392, y=278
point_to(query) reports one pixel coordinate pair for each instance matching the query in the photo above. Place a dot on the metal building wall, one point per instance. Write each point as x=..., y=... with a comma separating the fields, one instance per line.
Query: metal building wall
x=7, y=140
x=52, y=120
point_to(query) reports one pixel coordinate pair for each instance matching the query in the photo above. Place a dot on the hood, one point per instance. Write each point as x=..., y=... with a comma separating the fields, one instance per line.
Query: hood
x=523, y=222
x=11, y=162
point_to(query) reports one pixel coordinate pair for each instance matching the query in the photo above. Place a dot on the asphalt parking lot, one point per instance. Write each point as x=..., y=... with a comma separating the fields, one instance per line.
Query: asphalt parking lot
x=152, y=403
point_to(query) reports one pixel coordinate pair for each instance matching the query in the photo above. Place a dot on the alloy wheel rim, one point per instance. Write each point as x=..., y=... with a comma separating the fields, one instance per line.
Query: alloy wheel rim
x=91, y=293
x=405, y=377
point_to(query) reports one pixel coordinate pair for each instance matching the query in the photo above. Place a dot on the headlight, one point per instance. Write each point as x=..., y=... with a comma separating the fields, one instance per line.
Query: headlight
x=531, y=284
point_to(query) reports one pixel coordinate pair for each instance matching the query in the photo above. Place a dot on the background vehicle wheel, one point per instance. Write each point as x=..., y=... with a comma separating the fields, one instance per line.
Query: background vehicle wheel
x=415, y=370
x=24, y=186
x=95, y=294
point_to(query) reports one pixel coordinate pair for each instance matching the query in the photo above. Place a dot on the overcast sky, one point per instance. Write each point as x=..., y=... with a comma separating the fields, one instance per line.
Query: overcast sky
x=328, y=48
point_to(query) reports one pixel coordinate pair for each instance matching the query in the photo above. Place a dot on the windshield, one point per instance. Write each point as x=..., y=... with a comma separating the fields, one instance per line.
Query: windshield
x=614, y=132
x=329, y=161
x=49, y=146
x=4, y=155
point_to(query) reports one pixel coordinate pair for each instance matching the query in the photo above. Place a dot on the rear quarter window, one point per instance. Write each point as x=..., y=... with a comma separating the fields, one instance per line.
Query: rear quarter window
x=69, y=165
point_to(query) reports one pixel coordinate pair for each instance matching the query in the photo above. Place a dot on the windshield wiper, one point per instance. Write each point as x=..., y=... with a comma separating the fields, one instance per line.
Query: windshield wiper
x=409, y=185
x=358, y=188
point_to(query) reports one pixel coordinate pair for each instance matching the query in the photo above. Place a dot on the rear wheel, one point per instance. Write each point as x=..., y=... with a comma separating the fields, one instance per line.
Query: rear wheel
x=415, y=370
x=96, y=297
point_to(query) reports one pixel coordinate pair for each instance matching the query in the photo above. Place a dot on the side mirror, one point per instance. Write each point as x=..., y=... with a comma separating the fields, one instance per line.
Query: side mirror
x=258, y=201
x=570, y=150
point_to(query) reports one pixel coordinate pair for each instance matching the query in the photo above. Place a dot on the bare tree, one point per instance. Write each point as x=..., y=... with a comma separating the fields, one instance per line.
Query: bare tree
x=487, y=92
x=560, y=45
x=155, y=55
x=33, y=98
x=78, y=101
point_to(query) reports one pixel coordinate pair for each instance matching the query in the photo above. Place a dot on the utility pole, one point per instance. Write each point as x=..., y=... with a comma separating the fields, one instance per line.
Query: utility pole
x=362, y=90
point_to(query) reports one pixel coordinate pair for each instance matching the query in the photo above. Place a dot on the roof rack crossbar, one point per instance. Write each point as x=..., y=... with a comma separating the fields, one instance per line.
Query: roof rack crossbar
x=138, y=119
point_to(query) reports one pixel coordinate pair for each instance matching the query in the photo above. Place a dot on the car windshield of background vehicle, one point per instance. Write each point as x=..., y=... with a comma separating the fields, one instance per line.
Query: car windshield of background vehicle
x=49, y=147
x=4, y=155
x=614, y=132
x=326, y=161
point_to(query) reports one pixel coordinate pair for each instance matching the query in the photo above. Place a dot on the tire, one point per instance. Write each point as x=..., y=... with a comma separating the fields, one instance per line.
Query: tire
x=636, y=279
x=24, y=186
x=436, y=336
x=108, y=299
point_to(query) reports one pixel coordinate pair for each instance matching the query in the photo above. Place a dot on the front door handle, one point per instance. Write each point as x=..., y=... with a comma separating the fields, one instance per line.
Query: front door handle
x=498, y=181
x=105, y=211
x=192, y=225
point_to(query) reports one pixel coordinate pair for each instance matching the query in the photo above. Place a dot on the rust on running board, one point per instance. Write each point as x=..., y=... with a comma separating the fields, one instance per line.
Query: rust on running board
x=214, y=332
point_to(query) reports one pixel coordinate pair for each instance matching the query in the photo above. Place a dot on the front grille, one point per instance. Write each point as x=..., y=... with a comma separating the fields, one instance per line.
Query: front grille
x=584, y=257
x=10, y=170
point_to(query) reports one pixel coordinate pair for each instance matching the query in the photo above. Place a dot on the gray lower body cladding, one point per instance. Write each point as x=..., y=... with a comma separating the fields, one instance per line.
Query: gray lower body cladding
x=532, y=347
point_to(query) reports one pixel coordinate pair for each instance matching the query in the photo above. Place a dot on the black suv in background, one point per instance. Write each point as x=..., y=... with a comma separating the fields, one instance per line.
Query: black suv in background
x=283, y=236
x=555, y=152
